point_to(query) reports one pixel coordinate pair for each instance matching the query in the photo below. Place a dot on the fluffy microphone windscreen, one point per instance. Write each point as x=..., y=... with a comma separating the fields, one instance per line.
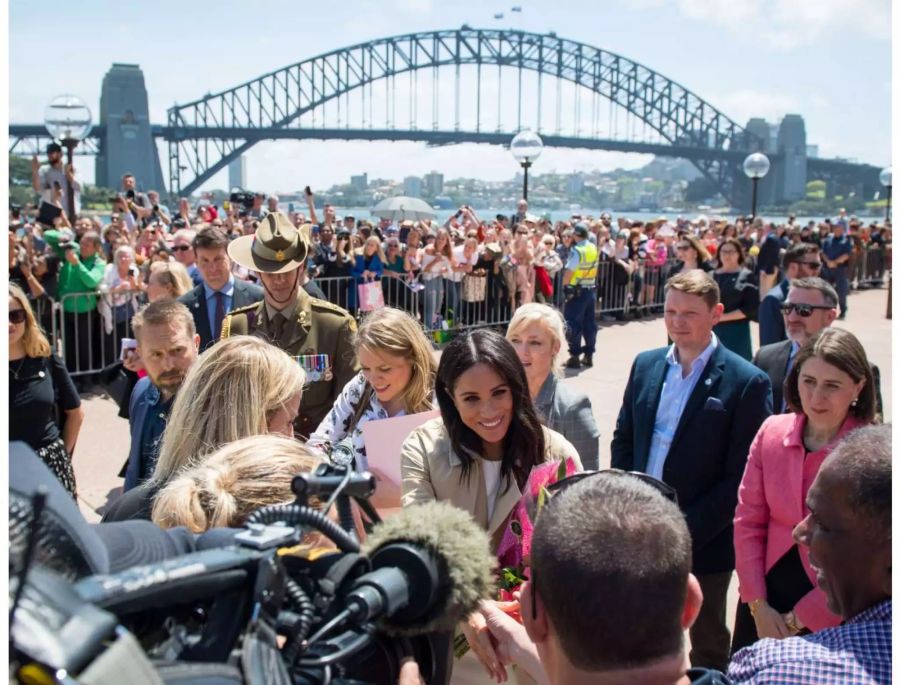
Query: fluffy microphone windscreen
x=461, y=546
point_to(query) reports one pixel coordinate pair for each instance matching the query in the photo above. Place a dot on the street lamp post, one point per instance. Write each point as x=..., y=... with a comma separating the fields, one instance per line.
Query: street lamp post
x=68, y=120
x=526, y=147
x=756, y=166
x=885, y=178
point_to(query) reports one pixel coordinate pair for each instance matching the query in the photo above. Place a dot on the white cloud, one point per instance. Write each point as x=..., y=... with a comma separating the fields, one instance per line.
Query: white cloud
x=784, y=25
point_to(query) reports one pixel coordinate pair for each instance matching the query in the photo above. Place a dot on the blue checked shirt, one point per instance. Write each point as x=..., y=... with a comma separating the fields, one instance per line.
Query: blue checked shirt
x=855, y=653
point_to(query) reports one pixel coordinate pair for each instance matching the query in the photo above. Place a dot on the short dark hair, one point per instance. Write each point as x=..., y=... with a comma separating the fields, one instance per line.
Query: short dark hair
x=829, y=294
x=161, y=313
x=610, y=559
x=524, y=443
x=796, y=253
x=841, y=349
x=210, y=237
x=695, y=282
x=863, y=460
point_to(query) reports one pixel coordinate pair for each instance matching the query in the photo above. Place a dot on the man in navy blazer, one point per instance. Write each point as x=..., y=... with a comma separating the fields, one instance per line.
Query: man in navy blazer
x=220, y=291
x=800, y=261
x=168, y=347
x=689, y=414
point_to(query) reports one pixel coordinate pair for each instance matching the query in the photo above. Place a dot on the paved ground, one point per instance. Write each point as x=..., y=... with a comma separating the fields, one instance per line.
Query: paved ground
x=103, y=444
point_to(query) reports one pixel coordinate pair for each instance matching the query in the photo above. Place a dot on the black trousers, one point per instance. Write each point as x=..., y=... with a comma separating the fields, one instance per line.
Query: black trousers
x=710, y=639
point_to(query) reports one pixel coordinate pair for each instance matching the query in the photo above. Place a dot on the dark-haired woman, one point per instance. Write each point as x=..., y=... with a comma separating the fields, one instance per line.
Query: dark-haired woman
x=739, y=294
x=479, y=452
x=830, y=391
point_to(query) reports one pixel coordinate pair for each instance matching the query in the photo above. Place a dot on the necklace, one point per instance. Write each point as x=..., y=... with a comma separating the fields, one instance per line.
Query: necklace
x=17, y=371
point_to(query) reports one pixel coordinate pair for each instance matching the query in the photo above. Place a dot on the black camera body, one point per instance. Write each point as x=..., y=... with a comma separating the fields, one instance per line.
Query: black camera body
x=238, y=593
x=243, y=198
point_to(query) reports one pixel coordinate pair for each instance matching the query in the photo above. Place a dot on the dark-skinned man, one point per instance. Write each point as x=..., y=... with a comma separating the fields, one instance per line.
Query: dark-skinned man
x=318, y=333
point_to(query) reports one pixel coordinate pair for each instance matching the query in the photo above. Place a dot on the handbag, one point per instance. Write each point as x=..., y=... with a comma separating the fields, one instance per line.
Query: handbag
x=371, y=296
x=474, y=288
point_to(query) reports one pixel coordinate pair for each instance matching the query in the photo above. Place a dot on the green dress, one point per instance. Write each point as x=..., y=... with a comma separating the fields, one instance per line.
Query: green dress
x=738, y=290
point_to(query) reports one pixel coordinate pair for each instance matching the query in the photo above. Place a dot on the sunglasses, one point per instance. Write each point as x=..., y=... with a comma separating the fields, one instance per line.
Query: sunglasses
x=683, y=247
x=814, y=265
x=559, y=486
x=181, y=248
x=17, y=316
x=803, y=310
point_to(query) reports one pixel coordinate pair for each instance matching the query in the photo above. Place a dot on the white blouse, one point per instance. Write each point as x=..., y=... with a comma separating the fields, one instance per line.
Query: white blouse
x=336, y=424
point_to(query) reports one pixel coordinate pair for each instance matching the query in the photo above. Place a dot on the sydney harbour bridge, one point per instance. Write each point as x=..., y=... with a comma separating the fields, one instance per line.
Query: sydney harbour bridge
x=448, y=87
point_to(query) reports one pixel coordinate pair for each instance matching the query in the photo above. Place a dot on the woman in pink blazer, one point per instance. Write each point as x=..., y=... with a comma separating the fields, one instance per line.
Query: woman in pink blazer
x=830, y=391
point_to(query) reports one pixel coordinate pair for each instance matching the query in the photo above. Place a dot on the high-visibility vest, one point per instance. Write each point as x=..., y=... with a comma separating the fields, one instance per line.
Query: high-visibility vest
x=585, y=273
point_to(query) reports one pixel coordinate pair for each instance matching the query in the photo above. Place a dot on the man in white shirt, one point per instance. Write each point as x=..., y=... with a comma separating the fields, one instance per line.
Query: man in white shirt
x=689, y=414
x=46, y=179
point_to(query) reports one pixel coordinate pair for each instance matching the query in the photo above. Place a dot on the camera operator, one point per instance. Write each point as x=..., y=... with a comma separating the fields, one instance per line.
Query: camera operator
x=157, y=211
x=55, y=175
x=625, y=621
x=137, y=203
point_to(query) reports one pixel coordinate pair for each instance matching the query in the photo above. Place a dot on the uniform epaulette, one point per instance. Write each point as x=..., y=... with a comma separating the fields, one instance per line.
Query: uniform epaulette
x=330, y=306
x=243, y=310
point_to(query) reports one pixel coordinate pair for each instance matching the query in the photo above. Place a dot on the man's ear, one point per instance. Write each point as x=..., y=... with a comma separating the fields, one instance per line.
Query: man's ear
x=692, y=602
x=538, y=628
x=197, y=341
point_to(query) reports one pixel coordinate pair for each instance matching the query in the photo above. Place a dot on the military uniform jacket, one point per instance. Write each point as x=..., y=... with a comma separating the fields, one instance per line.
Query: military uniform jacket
x=321, y=337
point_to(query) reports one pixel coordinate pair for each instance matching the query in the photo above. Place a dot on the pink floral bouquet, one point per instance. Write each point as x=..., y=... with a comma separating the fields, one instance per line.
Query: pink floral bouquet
x=514, y=551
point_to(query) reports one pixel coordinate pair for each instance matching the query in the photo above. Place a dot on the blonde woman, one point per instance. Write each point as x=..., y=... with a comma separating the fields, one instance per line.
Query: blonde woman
x=168, y=279
x=232, y=483
x=538, y=334
x=40, y=391
x=397, y=378
x=240, y=386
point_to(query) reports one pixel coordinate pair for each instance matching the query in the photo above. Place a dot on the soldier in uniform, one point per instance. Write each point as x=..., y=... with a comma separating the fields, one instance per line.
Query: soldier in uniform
x=318, y=333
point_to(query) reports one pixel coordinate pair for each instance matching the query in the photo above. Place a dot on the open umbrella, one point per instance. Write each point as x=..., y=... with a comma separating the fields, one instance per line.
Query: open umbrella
x=402, y=208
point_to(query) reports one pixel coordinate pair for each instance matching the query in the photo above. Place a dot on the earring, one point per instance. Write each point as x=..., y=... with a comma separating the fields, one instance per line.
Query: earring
x=855, y=400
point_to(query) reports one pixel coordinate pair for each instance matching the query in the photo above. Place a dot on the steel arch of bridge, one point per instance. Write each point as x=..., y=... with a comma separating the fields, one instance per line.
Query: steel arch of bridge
x=275, y=100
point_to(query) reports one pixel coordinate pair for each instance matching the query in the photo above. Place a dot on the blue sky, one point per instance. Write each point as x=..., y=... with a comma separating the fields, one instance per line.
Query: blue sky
x=829, y=60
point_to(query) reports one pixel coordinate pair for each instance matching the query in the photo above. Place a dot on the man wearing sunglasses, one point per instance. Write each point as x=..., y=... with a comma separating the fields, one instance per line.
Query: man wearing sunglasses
x=592, y=616
x=689, y=414
x=811, y=305
x=183, y=249
x=800, y=261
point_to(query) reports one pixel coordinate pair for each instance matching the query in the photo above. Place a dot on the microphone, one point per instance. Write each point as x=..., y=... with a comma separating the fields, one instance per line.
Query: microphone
x=431, y=566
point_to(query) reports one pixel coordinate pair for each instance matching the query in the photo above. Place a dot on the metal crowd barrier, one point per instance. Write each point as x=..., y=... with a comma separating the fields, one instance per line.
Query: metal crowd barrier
x=476, y=302
x=81, y=338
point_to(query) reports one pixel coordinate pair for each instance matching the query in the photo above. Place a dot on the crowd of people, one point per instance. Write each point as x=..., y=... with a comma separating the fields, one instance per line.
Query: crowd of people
x=246, y=366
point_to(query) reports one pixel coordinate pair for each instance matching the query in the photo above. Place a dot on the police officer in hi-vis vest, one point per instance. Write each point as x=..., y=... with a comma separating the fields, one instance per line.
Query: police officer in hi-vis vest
x=580, y=287
x=318, y=333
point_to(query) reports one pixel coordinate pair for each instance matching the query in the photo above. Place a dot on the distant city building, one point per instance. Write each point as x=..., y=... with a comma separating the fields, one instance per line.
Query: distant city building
x=360, y=182
x=575, y=184
x=237, y=173
x=434, y=183
x=812, y=150
x=412, y=186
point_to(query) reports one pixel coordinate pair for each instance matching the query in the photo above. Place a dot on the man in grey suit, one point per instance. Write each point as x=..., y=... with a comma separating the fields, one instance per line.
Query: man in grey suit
x=811, y=305
x=220, y=291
